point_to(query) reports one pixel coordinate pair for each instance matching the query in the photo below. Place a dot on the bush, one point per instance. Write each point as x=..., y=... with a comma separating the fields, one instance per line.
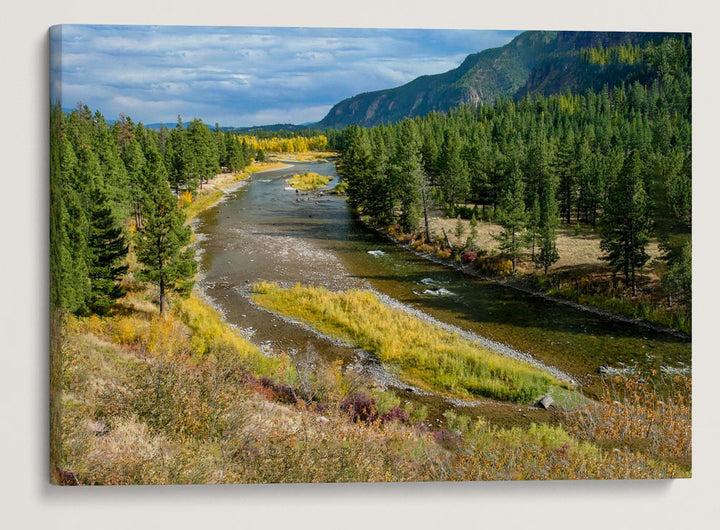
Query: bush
x=444, y=253
x=495, y=266
x=395, y=414
x=360, y=407
x=469, y=256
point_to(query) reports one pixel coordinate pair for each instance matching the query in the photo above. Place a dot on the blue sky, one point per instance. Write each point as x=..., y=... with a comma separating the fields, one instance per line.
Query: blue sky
x=243, y=76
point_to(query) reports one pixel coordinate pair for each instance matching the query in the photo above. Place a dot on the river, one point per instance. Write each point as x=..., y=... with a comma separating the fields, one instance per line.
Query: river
x=265, y=230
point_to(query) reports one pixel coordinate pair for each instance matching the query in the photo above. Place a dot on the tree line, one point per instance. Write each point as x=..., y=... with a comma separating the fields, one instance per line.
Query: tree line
x=618, y=160
x=116, y=185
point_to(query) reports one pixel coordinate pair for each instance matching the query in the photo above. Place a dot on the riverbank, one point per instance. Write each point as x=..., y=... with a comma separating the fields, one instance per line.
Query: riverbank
x=527, y=283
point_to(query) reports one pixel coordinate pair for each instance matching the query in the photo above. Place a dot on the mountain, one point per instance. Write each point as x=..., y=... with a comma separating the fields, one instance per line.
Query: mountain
x=534, y=62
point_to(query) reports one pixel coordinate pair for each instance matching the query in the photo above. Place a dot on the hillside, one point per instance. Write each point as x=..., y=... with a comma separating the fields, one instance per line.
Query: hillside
x=535, y=62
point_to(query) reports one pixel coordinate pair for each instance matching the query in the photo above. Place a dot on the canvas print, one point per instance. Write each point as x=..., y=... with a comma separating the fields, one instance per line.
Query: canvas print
x=361, y=255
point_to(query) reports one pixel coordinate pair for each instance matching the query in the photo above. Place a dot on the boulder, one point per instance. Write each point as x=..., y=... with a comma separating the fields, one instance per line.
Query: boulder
x=545, y=402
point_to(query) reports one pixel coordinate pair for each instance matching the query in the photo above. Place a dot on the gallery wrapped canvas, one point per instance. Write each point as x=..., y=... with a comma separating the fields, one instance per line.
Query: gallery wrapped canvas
x=362, y=255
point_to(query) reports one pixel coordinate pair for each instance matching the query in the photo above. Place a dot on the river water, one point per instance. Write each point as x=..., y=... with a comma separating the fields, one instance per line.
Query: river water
x=265, y=230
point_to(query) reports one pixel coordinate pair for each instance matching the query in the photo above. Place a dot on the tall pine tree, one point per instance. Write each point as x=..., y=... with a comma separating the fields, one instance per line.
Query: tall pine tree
x=161, y=244
x=107, y=250
x=625, y=225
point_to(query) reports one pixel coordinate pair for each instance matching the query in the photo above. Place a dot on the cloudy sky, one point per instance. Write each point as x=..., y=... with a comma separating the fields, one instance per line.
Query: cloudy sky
x=243, y=76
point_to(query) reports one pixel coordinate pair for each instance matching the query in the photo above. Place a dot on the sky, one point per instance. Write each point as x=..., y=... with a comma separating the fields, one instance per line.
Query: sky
x=243, y=76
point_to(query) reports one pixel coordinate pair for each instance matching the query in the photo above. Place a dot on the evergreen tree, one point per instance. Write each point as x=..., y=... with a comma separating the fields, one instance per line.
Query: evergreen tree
x=107, y=250
x=408, y=174
x=235, y=155
x=355, y=166
x=565, y=165
x=453, y=177
x=625, y=226
x=678, y=279
x=134, y=164
x=547, y=225
x=162, y=243
x=513, y=216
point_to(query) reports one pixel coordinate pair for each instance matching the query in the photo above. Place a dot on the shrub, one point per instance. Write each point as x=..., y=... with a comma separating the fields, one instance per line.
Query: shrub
x=495, y=266
x=185, y=198
x=444, y=253
x=469, y=256
x=279, y=391
x=360, y=407
x=309, y=181
x=395, y=414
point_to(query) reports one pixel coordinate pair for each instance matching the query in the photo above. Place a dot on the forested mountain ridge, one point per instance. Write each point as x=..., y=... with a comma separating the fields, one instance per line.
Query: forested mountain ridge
x=535, y=63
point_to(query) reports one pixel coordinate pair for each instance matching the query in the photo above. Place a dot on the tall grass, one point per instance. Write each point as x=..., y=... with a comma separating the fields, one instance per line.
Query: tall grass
x=423, y=354
x=184, y=399
x=309, y=181
x=631, y=412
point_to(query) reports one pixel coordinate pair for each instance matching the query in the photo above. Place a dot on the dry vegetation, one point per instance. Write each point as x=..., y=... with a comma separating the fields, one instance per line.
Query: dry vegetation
x=580, y=275
x=186, y=400
x=576, y=250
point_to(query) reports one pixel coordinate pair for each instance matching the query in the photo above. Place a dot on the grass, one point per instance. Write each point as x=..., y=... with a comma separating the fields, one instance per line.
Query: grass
x=423, y=354
x=309, y=181
x=185, y=399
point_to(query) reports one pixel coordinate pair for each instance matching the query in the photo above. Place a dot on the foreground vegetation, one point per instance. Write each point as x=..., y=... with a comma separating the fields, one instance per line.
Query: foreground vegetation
x=185, y=399
x=149, y=388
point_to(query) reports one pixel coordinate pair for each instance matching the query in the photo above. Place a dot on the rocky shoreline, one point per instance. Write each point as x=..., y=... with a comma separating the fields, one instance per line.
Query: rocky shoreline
x=582, y=307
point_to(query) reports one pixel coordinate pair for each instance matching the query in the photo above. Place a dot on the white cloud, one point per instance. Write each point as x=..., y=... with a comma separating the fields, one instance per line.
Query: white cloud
x=248, y=74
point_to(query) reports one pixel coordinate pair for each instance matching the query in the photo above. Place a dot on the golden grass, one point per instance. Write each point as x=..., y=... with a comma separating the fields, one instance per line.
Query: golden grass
x=134, y=418
x=309, y=181
x=306, y=156
x=179, y=400
x=632, y=413
x=425, y=355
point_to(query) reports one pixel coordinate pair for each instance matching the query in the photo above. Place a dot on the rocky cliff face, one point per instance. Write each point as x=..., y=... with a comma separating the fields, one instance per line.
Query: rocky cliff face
x=535, y=62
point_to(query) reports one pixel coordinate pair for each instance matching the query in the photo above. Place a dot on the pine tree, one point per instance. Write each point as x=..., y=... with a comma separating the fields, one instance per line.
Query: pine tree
x=161, y=244
x=408, y=174
x=678, y=279
x=625, y=226
x=547, y=225
x=107, y=250
x=453, y=178
x=355, y=166
x=513, y=216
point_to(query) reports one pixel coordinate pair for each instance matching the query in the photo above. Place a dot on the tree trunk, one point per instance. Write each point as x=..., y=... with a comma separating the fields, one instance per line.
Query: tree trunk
x=425, y=214
x=447, y=240
x=162, y=296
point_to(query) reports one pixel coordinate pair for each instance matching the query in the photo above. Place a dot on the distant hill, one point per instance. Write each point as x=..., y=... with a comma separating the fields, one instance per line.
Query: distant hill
x=535, y=62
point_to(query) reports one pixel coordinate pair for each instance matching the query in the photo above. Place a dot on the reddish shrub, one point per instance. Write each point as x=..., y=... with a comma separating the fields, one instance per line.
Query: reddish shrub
x=469, y=256
x=280, y=391
x=447, y=439
x=395, y=414
x=360, y=407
